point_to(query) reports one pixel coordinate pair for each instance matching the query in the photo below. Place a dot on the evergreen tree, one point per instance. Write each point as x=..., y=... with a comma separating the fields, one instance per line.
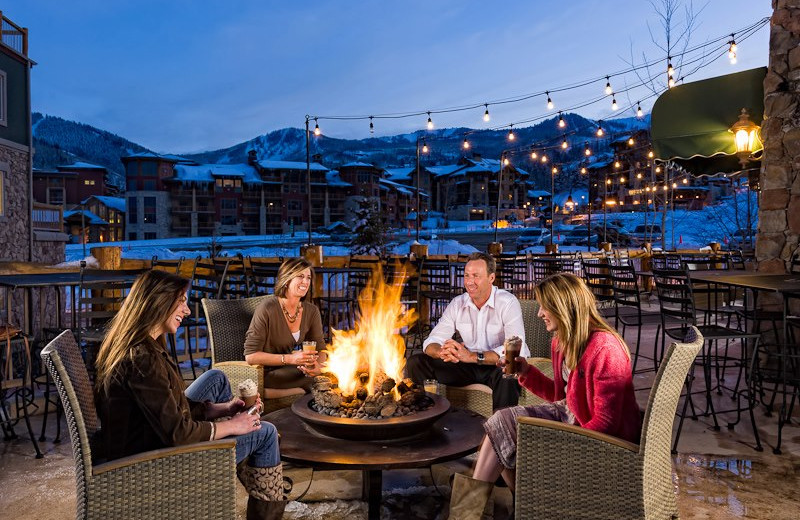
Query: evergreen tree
x=370, y=229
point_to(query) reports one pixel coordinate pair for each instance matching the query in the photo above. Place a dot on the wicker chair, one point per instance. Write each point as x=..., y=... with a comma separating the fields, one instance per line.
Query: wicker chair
x=192, y=481
x=565, y=471
x=227, y=322
x=478, y=398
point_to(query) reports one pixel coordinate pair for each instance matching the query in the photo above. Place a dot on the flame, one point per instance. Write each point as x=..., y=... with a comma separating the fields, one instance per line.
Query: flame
x=501, y=224
x=374, y=345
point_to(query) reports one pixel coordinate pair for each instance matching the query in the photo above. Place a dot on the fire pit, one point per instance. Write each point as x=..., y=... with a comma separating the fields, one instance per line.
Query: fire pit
x=394, y=428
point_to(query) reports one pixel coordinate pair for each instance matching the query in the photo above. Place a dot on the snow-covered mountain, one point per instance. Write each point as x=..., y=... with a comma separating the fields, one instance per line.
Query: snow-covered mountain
x=59, y=141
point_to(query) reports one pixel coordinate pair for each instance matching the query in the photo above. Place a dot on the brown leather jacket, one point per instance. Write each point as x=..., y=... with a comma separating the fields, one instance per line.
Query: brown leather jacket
x=143, y=407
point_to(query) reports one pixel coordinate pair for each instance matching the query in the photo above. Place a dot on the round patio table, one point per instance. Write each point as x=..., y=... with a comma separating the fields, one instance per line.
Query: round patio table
x=456, y=434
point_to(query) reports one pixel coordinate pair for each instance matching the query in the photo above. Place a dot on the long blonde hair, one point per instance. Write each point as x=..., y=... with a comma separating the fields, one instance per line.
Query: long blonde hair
x=572, y=306
x=152, y=297
x=289, y=269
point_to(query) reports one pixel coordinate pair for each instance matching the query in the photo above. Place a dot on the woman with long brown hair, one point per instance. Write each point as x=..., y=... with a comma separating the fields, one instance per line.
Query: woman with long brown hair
x=281, y=324
x=592, y=387
x=142, y=406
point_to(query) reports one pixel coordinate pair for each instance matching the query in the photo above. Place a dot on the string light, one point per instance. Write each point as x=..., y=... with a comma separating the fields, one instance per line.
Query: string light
x=534, y=155
x=486, y=114
x=608, y=87
x=650, y=154
x=658, y=169
x=317, y=131
x=371, y=126
x=631, y=142
x=685, y=181
x=732, y=50
x=670, y=70
x=564, y=144
x=608, y=181
x=666, y=187
x=638, y=175
x=617, y=164
x=554, y=170
x=586, y=150
x=511, y=135
x=639, y=112
x=549, y=101
x=505, y=161
x=466, y=144
x=614, y=102
x=674, y=184
x=544, y=158
x=599, y=129
x=561, y=122
x=430, y=122
x=583, y=169
x=424, y=147
x=671, y=82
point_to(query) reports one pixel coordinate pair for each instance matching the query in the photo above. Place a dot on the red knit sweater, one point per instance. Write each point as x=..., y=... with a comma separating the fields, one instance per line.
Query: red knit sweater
x=599, y=391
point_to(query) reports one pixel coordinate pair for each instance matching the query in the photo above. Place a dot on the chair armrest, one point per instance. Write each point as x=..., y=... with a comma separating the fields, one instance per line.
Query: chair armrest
x=578, y=430
x=154, y=455
x=238, y=371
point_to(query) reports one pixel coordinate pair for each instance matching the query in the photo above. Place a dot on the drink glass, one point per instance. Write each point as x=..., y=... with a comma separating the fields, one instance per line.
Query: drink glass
x=431, y=386
x=512, y=366
x=310, y=347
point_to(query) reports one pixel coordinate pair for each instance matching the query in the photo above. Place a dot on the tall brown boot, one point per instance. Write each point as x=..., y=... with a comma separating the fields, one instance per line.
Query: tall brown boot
x=469, y=497
x=267, y=491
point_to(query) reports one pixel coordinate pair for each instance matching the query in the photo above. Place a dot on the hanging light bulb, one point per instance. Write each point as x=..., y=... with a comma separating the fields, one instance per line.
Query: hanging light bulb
x=608, y=86
x=586, y=150
x=549, y=101
x=583, y=169
x=608, y=181
x=658, y=169
x=544, y=158
x=650, y=154
x=554, y=170
x=316, y=127
x=666, y=187
x=638, y=175
x=511, y=135
x=670, y=69
x=505, y=161
x=674, y=184
x=424, y=147
x=685, y=180
x=613, y=101
x=561, y=122
x=466, y=144
x=371, y=126
x=486, y=114
x=534, y=155
x=564, y=144
x=430, y=122
x=631, y=141
x=599, y=129
x=671, y=82
x=639, y=112
x=617, y=164
x=732, y=50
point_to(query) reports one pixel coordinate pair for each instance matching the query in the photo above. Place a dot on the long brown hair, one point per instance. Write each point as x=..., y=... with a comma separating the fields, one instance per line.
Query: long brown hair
x=152, y=297
x=572, y=306
x=289, y=269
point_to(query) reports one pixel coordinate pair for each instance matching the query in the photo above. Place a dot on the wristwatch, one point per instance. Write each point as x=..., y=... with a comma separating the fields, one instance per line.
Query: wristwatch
x=481, y=357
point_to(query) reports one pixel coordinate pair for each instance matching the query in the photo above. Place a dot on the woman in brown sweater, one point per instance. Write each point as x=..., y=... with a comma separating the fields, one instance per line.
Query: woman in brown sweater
x=283, y=321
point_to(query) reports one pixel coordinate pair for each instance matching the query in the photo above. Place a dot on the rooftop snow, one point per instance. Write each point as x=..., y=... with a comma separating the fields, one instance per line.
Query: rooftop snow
x=117, y=203
x=290, y=165
x=90, y=217
x=82, y=166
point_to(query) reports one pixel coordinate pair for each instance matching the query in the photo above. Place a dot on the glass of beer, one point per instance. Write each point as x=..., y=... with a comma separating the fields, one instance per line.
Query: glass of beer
x=310, y=347
x=431, y=386
x=512, y=346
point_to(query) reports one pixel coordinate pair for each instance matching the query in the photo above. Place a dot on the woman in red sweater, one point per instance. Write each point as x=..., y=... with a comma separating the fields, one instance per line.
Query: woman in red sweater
x=592, y=387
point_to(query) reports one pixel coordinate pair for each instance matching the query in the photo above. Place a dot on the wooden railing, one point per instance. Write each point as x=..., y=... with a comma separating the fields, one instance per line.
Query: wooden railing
x=14, y=36
x=47, y=217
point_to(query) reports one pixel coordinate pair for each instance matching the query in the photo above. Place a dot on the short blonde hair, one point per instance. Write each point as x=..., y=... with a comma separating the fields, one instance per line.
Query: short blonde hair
x=290, y=269
x=572, y=306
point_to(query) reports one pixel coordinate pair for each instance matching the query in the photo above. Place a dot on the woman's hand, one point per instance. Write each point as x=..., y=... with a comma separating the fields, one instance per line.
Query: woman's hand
x=217, y=410
x=521, y=362
x=313, y=370
x=300, y=358
x=239, y=424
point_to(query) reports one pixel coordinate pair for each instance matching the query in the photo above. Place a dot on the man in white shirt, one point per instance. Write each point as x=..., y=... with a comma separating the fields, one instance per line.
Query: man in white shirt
x=484, y=317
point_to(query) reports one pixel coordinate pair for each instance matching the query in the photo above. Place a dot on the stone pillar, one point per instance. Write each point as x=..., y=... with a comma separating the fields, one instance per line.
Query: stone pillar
x=779, y=204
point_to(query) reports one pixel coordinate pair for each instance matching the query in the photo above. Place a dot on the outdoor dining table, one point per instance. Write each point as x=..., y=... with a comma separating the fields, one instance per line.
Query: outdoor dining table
x=785, y=285
x=57, y=280
x=456, y=434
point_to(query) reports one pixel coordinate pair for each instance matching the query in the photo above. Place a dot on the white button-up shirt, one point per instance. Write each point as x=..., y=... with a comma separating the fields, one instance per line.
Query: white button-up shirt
x=481, y=329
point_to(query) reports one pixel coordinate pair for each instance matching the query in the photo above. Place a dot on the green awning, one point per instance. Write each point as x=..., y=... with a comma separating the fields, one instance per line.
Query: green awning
x=690, y=122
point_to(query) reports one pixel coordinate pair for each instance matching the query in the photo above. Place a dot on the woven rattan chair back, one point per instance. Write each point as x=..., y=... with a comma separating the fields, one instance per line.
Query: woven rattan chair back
x=536, y=336
x=659, y=495
x=63, y=360
x=227, y=322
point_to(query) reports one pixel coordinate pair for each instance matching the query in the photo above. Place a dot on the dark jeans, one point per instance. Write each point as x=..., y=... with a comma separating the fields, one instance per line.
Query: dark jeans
x=505, y=391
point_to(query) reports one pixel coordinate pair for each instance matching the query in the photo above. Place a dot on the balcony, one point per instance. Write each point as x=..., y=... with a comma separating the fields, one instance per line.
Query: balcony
x=47, y=217
x=14, y=36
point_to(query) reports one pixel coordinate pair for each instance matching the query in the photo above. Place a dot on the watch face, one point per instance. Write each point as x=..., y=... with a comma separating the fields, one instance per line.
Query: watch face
x=480, y=357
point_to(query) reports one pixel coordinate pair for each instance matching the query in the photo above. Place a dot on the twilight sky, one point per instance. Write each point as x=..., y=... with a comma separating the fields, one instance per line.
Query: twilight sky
x=184, y=76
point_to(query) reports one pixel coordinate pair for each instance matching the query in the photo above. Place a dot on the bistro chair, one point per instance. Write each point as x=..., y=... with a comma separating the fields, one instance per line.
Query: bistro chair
x=15, y=382
x=678, y=316
x=184, y=482
x=170, y=265
x=597, y=276
x=262, y=274
x=228, y=321
x=563, y=469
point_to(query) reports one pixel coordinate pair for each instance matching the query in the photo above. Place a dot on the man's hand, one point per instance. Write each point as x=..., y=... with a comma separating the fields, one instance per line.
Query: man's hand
x=455, y=352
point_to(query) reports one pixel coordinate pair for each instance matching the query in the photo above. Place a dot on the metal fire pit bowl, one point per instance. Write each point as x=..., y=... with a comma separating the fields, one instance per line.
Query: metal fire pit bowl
x=393, y=428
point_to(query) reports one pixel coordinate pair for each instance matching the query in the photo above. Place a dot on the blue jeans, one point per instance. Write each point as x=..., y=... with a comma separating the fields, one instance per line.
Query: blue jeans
x=261, y=446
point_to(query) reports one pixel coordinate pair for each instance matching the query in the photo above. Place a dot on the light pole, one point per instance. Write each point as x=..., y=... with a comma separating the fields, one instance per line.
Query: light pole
x=499, y=185
x=553, y=172
x=419, y=207
x=308, y=178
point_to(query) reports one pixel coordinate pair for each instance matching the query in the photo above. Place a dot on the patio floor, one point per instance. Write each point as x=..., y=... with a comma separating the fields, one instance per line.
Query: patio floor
x=718, y=476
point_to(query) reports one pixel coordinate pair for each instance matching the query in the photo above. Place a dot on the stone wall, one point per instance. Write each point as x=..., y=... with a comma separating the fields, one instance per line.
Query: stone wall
x=14, y=224
x=779, y=208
